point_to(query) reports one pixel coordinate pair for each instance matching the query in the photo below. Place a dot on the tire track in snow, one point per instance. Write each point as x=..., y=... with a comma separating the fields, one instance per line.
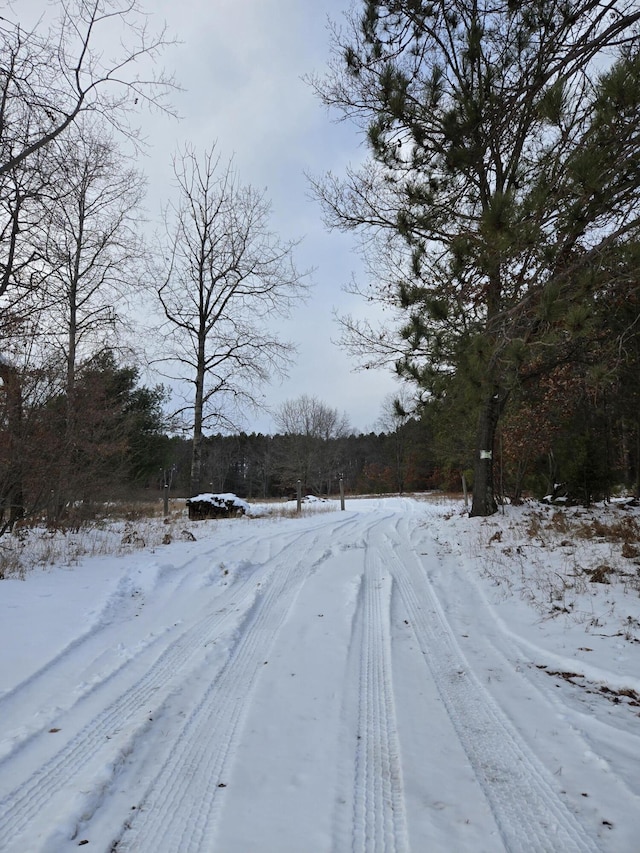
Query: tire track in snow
x=41, y=800
x=374, y=794
x=39, y=792
x=96, y=633
x=526, y=806
x=179, y=810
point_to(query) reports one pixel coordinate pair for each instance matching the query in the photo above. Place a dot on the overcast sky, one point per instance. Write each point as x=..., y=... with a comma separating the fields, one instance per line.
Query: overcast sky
x=241, y=64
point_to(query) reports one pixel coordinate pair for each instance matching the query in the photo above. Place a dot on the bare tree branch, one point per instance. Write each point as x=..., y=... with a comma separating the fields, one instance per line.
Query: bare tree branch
x=51, y=75
x=227, y=277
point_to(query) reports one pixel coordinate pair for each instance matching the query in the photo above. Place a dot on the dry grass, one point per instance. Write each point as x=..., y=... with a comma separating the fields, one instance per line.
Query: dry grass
x=276, y=512
x=439, y=498
x=624, y=530
x=121, y=528
x=32, y=547
x=565, y=561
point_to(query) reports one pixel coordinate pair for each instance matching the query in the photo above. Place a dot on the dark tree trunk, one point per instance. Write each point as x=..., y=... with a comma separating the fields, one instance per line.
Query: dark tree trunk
x=196, y=453
x=484, y=501
x=196, y=464
x=11, y=495
x=637, y=477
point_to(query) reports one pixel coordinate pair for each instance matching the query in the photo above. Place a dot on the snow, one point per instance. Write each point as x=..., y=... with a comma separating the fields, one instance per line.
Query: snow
x=395, y=677
x=223, y=499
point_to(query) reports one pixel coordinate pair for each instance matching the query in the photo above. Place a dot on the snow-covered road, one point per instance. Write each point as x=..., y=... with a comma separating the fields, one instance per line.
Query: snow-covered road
x=340, y=682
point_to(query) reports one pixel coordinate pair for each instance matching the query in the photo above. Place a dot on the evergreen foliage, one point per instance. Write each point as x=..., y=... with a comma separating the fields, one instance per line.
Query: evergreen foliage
x=505, y=167
x=117, y=443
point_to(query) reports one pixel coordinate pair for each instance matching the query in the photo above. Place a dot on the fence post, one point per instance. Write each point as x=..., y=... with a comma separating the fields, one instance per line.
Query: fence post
x=341, y=494
x=299, y=496
x=464, y=489
x=166, y=500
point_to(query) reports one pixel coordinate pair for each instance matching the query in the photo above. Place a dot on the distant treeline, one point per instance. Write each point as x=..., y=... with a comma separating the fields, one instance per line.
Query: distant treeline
x=60, y=461
x=266, y=466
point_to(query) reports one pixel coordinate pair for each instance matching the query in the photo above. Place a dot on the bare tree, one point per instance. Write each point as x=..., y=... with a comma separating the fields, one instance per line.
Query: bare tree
x=504, y=141
x=397, y=410
x=21, y=192
x=57, y=71
x=89, y=259
x=311, y=417
x=311, y=452
x=93, y=249
x=83, y=58
x=228, y=276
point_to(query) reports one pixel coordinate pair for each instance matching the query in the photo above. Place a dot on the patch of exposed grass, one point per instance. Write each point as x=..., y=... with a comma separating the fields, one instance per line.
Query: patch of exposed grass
x=120, y=529
x=624, y=530
x=571, y=561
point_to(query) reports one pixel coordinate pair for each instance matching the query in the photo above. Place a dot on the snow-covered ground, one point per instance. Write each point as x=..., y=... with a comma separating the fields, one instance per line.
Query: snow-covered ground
x=395, y=677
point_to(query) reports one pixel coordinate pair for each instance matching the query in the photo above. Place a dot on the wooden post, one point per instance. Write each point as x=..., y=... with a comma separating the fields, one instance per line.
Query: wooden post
x=464, y=489
x=299, y=496
x=166, y=500
x=501, y=473
x=341, y=494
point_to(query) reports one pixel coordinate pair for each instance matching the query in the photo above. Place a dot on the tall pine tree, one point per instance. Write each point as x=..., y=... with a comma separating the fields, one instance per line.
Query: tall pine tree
x=504, y=171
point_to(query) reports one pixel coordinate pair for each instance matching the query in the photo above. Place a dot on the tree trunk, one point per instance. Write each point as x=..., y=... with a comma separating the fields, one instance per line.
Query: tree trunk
x=196, y=463
x=11, y=495
x=484, y=501
x=196, y=447
x=637, y=478
x=69, y=476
